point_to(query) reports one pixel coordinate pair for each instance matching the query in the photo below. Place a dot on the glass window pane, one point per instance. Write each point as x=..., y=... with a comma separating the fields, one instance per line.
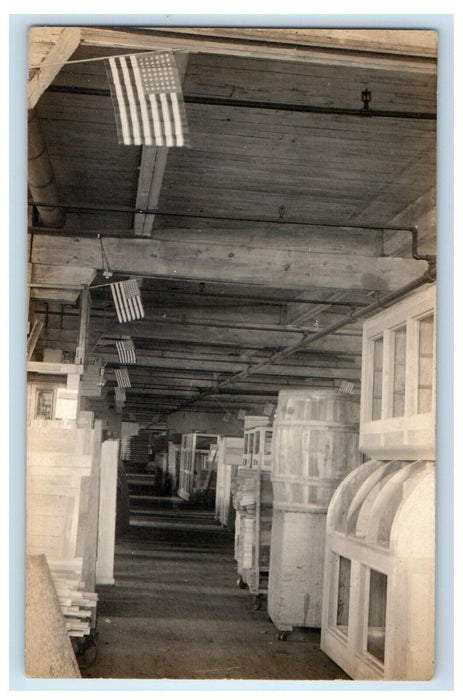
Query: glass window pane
x=398, y=398
x=377, y=615
x=251, y=443
x=268, y=442
x=377, y=378
x=425, y=363
x=342, y=609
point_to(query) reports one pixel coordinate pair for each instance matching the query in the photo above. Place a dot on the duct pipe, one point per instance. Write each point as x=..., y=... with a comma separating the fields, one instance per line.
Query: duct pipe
x=41, y=178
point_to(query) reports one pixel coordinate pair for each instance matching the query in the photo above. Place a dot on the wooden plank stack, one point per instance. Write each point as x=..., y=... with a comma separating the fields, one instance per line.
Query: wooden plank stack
x=252, y=500
x=63, y=472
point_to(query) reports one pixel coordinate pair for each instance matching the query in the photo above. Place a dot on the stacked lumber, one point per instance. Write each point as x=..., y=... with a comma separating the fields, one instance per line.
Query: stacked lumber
x=78, y=606
x=63, y=472
x=252, y=500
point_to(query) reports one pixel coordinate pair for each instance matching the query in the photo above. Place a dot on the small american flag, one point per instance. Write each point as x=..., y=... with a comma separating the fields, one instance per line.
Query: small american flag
x=346, y=387
x=119, y=394
x=122, y=377
x=147, y=98
x=127, y=300
x=126, y=351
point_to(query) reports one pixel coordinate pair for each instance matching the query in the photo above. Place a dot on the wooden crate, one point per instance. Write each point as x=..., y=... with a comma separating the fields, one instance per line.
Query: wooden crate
x=297, y=552
x=378, y=605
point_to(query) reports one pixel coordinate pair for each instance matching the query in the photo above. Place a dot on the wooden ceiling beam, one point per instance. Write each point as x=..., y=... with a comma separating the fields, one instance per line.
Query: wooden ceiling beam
x=228, y=367
x=48, y=52
x=151, y=174
x=258, y=45
x=222, y=261
x=340, y=343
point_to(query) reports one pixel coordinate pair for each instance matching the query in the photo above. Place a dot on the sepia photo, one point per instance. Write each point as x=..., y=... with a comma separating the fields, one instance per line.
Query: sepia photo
x=231, y=353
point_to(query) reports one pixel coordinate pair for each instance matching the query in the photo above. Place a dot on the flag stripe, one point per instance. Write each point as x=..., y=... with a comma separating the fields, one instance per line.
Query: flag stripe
x=131, y=308
x=166, y=119
x=119, y=303
x=147, y=140
x=177, y=119
x=119, y=93
x=132, y=102
x=158, y=133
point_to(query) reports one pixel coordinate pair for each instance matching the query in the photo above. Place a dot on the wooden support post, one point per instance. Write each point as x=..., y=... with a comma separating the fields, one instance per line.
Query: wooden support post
x=81, y=350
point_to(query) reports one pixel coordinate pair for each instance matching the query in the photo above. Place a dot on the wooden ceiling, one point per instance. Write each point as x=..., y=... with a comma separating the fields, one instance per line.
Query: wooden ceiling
x=282, y=201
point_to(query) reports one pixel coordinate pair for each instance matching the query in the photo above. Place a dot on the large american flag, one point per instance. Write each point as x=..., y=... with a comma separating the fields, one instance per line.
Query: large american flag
x=147, y=98
x=127, y=300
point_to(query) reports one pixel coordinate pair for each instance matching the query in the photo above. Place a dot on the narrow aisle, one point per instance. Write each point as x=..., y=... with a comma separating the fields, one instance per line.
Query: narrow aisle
x=176, y=611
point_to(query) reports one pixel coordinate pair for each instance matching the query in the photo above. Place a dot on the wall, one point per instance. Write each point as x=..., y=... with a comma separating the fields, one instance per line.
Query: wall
x=190, y=421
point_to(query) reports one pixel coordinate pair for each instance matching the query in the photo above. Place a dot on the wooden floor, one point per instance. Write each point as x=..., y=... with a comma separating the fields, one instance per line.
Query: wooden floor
x=176, y=612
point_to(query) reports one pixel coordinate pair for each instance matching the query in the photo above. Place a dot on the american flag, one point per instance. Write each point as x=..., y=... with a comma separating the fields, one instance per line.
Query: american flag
x=147, y=98
x=127, y=300
x=119, y=394
x=122, y=377
x=126, y=351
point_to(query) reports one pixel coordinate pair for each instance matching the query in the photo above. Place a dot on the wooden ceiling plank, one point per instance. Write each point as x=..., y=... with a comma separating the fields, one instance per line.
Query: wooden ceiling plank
x=66, y=43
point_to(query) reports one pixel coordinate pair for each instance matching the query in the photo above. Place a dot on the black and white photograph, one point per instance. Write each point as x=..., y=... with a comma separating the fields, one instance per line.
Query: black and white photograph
x=231, y=352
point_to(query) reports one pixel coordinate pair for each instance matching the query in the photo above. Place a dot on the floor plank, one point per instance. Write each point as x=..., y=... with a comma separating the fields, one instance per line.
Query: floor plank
x=176, y=612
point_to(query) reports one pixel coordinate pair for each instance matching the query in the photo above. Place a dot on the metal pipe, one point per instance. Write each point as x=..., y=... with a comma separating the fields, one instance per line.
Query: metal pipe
x=321, y=224
x=41, y=178
x=255, y=104
x=139, y=210
x=227, y=324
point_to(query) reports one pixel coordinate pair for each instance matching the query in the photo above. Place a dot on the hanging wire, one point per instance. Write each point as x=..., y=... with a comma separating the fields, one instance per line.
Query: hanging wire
x=104, y=320
x=105, y=58
x=104, y=260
